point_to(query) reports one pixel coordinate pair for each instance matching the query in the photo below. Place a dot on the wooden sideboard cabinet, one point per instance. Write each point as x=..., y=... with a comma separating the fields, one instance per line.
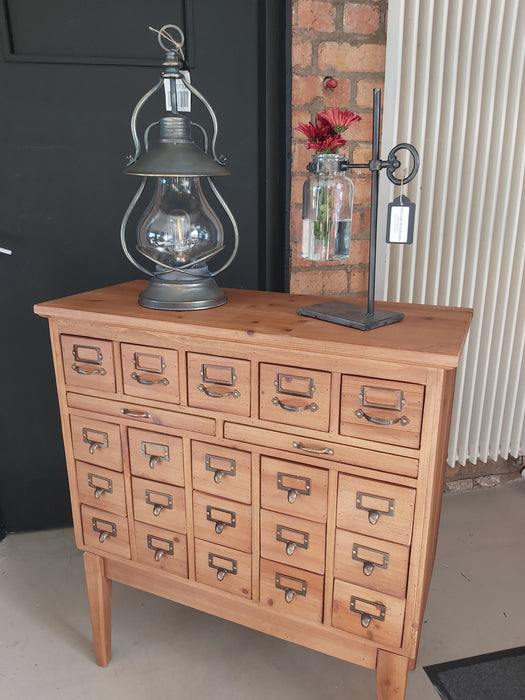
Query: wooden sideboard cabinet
x=272, y=469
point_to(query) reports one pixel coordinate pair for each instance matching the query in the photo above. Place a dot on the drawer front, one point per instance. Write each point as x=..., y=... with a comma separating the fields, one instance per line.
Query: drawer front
x=383, y=411
x=106, y=532
x=219, y=384
x=222, y=471
x=223, y=568
x=375, y=508
x=295, y=396
x=222, y=522
x=161, y=549
x=96, y=442
x=292, y=591
x=375, y=564
x=294, y=489
x=294, y=541
x=157, y=456
x=376, y=616
x=151, y=373
x=88, y=363
x=101, y=488
x=159, y=504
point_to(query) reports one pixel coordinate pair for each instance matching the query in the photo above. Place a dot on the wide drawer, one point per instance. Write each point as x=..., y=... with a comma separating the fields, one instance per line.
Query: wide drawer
x=219, y=383
x=157, y=456
x=287, y=589
x=294, y=489
x=295, y=396
x=88, y=362
x=159, y=504
x=150, y=373
x=371, y=563
x=161, y=549
x=223, y=568
x=293, y=541
x=376, y=616
x=106, y=532
x=383, y=411
x=222, y=471
x=96, y=442
x=223, y=522
x=375, y=508
x=101, y=488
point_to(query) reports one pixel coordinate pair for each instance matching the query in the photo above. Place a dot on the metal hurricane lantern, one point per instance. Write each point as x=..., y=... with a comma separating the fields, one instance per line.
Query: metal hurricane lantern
x=179, y=231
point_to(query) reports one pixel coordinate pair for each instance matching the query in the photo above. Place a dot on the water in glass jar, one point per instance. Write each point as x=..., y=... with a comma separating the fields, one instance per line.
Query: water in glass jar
x=326, y=240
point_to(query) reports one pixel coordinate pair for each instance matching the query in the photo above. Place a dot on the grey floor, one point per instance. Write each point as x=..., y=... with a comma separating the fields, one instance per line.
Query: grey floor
x=165, y=651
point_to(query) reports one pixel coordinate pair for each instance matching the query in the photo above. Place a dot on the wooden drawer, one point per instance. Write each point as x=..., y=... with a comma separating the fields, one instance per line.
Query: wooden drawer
x=101, y=488
x=377, y=616
x=96, y=442
x=222, y=471
x=106, y=532
x=219, y=384
x=223, y=568
x=159, y=504
x=375, y=564
x=157, y=456
x=293, y=541
x=375, y=508
x=294, y=489
x=295, y=396
x=223, y=522
x=88, y=362
x=289, y=590
x=161, y=549
x=383, y=411
x=151, y=373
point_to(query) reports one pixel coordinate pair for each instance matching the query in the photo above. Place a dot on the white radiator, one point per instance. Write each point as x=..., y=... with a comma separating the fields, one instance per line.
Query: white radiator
x=454, y=88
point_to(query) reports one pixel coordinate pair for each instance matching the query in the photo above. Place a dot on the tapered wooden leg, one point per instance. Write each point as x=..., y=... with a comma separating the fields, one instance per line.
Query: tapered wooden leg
x=391, y=676
x=99, y=596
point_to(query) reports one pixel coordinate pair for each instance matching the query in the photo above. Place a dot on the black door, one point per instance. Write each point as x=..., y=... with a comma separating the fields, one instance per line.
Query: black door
x=70, y=76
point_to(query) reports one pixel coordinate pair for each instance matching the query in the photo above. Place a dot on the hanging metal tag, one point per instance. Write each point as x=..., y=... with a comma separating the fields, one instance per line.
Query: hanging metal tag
x=400, y=222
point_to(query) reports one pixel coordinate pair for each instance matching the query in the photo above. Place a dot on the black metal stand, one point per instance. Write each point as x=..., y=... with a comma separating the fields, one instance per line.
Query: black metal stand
x=345, y=313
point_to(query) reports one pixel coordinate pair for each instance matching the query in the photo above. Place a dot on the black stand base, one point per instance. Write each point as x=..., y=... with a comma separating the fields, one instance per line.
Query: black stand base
x=350, y=315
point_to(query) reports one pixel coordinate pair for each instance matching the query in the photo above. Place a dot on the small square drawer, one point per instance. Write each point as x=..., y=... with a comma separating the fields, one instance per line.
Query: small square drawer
x=88, y=363
x=151, y=373
x=106, y=532
x=294, y=489
x=159, y=504
x=293, y=541
x=223, y=568
x=96, y=442
x=224, y=522
x=375, y=564
x=101, y=488
x=222, y=471
x=295, y=396
x=375, y=508
x=293, y=591
x=219, y=384
x=383, y=411
x=157, y=456
x=376, y=616
x=161, y=549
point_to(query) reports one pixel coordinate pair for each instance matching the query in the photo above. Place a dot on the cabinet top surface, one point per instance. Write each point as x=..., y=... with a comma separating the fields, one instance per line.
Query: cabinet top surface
x=429, y=335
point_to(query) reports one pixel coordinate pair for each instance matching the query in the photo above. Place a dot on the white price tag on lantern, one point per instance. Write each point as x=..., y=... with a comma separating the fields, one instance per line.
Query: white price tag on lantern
x=400, y=221
x=182, y=93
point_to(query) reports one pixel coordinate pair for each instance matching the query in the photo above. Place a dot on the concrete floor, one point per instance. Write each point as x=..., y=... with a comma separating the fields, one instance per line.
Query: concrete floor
x=165, y=651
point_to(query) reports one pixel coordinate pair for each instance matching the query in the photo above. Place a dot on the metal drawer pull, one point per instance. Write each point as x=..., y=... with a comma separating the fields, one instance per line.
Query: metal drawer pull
x=375, y=513
x=81, y=370
x=153, y=458
x=94, y=443
x=302, y=539
x=403, y=420
x=217, y=394
x=159, y=507
x=149, y=382
x=293, y=492
x=313, y=450
x=297, y=409
x=153, y=544
x=220, y=523
x=99, y=490
x=218, y=474
x=364, y=556
x=366, y=615
x=103, y=533
x=222, y=570
x=135, y=414
x=291, y=586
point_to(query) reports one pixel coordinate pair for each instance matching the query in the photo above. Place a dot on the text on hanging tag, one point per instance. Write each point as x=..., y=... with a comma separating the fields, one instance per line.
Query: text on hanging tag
x=182, y=101
x=400, y=221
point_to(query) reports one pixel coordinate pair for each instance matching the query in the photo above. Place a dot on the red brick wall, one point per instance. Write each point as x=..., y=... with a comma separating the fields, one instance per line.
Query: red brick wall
x=344, y=39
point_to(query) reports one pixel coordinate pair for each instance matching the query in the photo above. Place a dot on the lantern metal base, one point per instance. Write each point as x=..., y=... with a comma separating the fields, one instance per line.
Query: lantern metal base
x=350, y=315
x=182, y=292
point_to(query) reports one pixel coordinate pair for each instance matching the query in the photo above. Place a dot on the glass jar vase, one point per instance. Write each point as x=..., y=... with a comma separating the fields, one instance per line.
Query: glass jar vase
x=328, y=197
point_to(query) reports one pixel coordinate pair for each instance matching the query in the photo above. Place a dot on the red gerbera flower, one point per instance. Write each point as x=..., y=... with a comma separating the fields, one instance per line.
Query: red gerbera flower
x=313, y=132
x=337, y=119
x=329, y=144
